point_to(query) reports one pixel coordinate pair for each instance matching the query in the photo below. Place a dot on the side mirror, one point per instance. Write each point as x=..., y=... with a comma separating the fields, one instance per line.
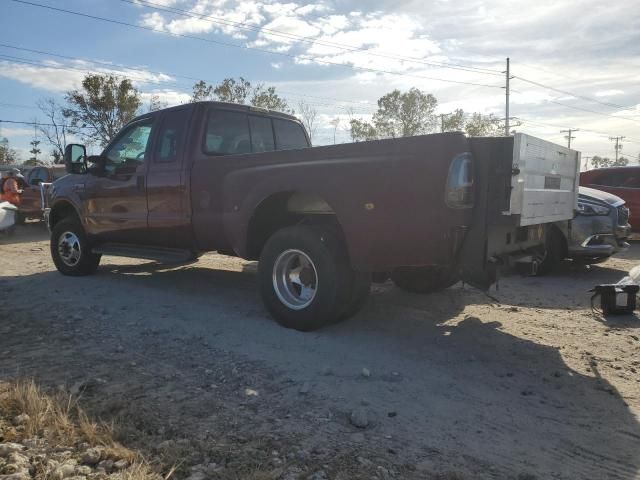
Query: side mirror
x=75, y=158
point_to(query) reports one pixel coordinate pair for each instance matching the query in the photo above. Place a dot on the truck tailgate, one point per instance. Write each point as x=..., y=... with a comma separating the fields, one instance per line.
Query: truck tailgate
x=545, y=181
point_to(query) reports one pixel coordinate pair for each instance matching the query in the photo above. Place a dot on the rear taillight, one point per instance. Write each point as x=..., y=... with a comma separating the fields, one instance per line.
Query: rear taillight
x=459, y=189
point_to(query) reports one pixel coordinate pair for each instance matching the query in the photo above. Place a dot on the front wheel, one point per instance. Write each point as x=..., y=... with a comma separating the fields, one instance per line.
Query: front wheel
x=70, y=249
x=305, y=278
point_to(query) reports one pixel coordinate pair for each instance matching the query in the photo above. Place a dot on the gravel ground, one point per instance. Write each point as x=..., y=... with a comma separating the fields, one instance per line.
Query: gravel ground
x=527, y=384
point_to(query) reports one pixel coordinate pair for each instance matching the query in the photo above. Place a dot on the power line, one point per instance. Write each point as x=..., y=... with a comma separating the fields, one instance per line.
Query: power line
x=246, y=47
x=26, y=61
x=39, y=124
x=566, y=92
x=300, y=38
x=585, y=109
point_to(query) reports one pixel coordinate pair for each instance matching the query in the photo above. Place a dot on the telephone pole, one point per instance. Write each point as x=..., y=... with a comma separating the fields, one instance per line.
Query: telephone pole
x=618, y=146
x=506, y=109
x=568, y=136
x=586, y=162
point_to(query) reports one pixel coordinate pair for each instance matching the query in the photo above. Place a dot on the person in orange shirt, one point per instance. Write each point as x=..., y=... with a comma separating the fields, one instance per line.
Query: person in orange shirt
x=10, y=188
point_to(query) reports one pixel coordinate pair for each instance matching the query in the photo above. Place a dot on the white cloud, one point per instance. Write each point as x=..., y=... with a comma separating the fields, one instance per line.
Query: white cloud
x=168, y=96
x=59, y=77
x=609, y=93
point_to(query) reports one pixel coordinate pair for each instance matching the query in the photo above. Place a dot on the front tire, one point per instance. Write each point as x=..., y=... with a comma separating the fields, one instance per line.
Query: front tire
x=70, y=249
x=305, y=278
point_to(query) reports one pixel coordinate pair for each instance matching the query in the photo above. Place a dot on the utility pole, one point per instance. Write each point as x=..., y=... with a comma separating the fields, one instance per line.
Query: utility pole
x=618, y=146
x=569, y=137
x=506, y=109
x=586, y=162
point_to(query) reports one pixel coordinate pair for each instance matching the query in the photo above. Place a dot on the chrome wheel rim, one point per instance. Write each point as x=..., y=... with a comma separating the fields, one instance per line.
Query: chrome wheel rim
x=295, y=279
x=69, y=249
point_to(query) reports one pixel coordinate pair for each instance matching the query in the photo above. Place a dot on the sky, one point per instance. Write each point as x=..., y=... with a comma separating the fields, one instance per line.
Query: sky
x=576, y=63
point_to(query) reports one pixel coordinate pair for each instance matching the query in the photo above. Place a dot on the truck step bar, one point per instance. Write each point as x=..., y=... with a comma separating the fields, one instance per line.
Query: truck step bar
x=159, y=254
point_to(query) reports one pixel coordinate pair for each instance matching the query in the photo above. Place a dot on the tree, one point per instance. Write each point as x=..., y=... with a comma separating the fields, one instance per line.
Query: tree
x=600, y=162
x=335, y=123
x=308, y=116
x=35, y=151
x=239, y=91
x=55, y=130
x=398, y=115
x=362, y=131
x=156, y=104
x=8, y=156
x=102, y=107
x=201, y=92
x=452, y=122
x=405, y=114
x=233, y=91
x=483, y=125
x=621, y=162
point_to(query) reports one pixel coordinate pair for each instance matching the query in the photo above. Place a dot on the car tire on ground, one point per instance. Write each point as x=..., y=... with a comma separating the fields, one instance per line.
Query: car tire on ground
x=70, y=249
x=555, y=251
x=305, y=278
x=423, y=279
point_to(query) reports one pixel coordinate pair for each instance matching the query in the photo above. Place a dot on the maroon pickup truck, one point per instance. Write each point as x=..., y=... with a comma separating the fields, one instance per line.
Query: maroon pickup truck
x=322, y=221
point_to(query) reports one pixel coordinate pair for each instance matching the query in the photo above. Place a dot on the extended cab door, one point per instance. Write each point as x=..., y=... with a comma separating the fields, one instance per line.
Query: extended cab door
x=169, y=219
x=115, y=198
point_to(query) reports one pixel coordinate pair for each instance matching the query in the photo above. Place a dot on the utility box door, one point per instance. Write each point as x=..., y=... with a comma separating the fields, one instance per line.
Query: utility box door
x=544, y=187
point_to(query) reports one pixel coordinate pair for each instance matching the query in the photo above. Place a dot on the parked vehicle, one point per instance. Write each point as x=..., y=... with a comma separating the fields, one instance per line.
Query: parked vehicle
x=31, y=201
x=599, y=230
x=244, y=181
x=621, y=181
x=8, y=213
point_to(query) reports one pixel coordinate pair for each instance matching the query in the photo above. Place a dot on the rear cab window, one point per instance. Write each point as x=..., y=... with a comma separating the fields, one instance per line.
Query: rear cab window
x=227, y=133
x=289, y=135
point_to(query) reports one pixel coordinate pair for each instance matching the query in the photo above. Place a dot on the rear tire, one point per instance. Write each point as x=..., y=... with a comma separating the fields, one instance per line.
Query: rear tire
x=359, y=294
x=423, y=279
x=70, y=249
x=305, y=277
x=555, y=251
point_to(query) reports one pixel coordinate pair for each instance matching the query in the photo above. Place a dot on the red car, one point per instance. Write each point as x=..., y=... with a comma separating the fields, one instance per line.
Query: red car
x=621, y=181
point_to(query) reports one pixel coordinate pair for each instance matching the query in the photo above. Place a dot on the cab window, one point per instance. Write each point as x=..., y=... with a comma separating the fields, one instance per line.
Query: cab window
x=171, y=136
x=130, y=149
x=227, y=133
x=261, y=134
x=289, y=135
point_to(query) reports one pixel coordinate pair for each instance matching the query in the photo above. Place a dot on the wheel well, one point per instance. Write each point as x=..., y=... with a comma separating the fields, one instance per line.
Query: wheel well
x=282, y=210
x=61, y=211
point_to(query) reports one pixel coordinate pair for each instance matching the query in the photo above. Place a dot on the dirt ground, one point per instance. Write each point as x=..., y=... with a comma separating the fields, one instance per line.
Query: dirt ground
x=450, y=385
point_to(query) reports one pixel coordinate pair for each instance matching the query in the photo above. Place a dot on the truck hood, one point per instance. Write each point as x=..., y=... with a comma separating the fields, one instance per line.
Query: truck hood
x=598, y=196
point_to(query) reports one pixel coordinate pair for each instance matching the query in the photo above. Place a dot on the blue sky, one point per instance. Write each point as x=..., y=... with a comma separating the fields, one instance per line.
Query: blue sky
x=340, y=56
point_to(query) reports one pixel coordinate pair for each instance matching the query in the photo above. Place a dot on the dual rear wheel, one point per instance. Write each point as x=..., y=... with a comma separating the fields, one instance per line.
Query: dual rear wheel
x=306, y=280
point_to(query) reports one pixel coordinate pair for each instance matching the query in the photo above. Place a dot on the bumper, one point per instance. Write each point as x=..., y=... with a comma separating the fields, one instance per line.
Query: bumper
x=597, y=237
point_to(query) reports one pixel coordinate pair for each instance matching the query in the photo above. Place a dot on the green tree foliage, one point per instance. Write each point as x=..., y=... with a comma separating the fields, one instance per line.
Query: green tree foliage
x=601, y=162
x=201, y=92
x=621, y=162
x=399, y=115
x=479, y=125
x=453, y=122
x=35, y=151
x=101, y=108
x=8, y=156
x=240, y=91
